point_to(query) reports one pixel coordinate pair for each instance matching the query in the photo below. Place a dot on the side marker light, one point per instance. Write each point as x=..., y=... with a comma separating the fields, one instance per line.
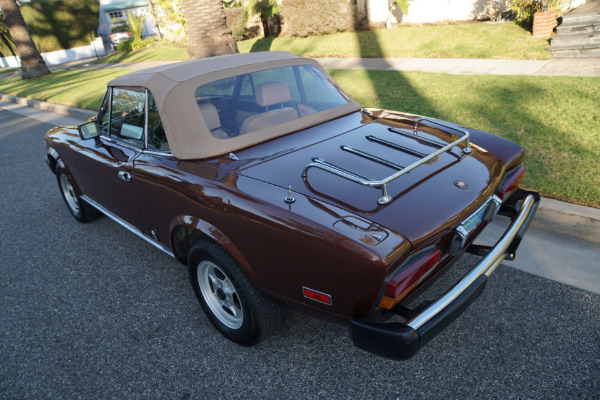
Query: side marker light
x=316, y=296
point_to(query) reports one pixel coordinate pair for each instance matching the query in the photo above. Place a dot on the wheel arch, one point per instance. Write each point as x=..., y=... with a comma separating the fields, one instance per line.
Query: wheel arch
x=52, y=159
x=185, y=230
x=55, y=160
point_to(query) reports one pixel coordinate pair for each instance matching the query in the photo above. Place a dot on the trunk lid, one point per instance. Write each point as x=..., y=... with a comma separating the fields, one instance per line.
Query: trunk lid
x=427, y=201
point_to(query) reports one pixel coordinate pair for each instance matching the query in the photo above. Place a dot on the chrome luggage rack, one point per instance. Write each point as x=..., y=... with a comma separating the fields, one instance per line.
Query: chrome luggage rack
x=382, y=183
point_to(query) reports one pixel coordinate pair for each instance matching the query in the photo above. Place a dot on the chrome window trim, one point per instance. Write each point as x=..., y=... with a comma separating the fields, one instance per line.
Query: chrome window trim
x=98, y=117
x=145, y=118
x=122, y=143
x=127, y=226
x=116, y=139
x=158, y=153
x=112, y=139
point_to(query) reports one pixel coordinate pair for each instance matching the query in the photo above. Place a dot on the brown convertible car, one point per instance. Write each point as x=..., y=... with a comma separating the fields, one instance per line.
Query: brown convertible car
x=274, y=187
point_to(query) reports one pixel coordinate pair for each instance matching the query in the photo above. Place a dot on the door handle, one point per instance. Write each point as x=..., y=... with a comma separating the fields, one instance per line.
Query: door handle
x=126, y=176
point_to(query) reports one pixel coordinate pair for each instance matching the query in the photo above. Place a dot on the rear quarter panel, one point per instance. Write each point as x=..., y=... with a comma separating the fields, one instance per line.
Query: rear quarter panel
x=282, y=247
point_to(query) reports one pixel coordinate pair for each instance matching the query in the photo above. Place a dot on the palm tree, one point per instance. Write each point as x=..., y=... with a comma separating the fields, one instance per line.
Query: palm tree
x=208, y=34
x=6, y=44
x=32, y=63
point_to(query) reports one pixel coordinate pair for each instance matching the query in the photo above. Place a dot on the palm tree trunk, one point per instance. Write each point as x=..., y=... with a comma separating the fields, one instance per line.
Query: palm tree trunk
x=32, y=63
x=208, y=33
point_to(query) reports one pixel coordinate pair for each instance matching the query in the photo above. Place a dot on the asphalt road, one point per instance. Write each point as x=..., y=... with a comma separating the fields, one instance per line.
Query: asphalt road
x=91, y=311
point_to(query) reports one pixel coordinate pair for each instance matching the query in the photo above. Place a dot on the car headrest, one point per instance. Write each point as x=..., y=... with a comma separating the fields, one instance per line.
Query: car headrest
x=271, y=93
x=211, y=115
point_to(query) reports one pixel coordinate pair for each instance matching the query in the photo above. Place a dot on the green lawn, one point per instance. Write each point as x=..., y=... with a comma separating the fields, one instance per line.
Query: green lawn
x=556, y=119
x=77, y=88
x=473, y=40
x=154, y=53
x=7, y=70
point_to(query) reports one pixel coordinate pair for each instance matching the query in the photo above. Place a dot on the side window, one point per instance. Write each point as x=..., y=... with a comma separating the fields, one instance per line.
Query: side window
x=223, y=87
x=127, y=116
x=157, y=139
x=247, y=88
x=318, y=88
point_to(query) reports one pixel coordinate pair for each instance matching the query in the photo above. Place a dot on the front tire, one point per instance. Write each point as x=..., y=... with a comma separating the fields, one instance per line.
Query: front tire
x=79, y=209
x=234, y=305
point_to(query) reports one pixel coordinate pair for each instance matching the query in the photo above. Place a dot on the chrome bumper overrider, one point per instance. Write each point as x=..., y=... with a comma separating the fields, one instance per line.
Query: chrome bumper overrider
x=401, y=341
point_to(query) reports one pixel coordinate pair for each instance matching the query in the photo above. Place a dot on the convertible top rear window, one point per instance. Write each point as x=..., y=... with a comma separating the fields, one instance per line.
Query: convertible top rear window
x=254, y=101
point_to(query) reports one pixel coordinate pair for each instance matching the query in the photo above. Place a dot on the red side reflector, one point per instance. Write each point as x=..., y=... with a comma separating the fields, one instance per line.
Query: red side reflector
x=317, y=296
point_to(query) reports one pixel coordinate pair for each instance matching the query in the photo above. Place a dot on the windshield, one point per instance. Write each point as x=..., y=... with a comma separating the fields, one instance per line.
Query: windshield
x=259, y=100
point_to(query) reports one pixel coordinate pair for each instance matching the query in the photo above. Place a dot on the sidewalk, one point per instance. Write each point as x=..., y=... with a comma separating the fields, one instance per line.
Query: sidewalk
x=457, y=66
x=466, y=66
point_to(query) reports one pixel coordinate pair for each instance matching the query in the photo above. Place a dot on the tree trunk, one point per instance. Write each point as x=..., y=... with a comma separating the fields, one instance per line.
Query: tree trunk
x=208, y=33
x=32, y=63
x=155, y=16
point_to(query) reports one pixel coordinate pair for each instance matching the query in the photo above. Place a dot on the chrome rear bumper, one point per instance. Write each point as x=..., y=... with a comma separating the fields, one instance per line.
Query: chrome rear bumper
x=401, y=341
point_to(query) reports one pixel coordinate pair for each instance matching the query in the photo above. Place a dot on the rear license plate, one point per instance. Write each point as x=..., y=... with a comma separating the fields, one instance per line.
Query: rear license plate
x=475, y=219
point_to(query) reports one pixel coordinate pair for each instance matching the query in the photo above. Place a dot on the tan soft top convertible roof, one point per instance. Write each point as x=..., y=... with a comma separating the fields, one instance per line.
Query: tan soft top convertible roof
x=174, y=86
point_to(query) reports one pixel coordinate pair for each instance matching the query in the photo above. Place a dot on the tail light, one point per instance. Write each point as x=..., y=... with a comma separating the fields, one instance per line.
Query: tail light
x=511, y=183
x=409, y=276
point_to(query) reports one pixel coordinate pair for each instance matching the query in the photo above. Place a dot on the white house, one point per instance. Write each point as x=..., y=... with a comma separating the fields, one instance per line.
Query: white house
x=429, y=11
x=113, y=14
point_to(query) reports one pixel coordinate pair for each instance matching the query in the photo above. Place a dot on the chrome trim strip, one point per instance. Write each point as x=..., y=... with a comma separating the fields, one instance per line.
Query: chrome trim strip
x=145, y=118
x=127, y=226
x=486, y=266
x=413, y=136
x=121, y=143
x=339, y=171
x=158, y=153
x=396, y=146
x=371, y=157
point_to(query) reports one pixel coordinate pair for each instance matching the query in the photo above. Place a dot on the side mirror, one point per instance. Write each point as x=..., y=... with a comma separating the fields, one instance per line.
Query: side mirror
x=88, y=130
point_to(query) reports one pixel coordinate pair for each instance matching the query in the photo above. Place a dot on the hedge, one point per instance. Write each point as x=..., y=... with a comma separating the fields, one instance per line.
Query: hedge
x=315, y=17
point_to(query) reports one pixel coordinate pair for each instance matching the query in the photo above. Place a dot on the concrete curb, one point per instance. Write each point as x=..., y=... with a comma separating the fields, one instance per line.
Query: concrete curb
x=52, y=107
x=553, y=215
x=569, y=219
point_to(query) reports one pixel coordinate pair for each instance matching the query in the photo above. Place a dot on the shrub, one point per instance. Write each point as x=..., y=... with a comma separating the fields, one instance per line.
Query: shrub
x=317, y=17
x=136, y=25
x=236, y=21
x=135, y=44
x=525, y=9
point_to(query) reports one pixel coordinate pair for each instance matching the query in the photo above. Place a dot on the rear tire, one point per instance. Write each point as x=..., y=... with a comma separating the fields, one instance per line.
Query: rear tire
x=234, y=305
x=79, y=209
